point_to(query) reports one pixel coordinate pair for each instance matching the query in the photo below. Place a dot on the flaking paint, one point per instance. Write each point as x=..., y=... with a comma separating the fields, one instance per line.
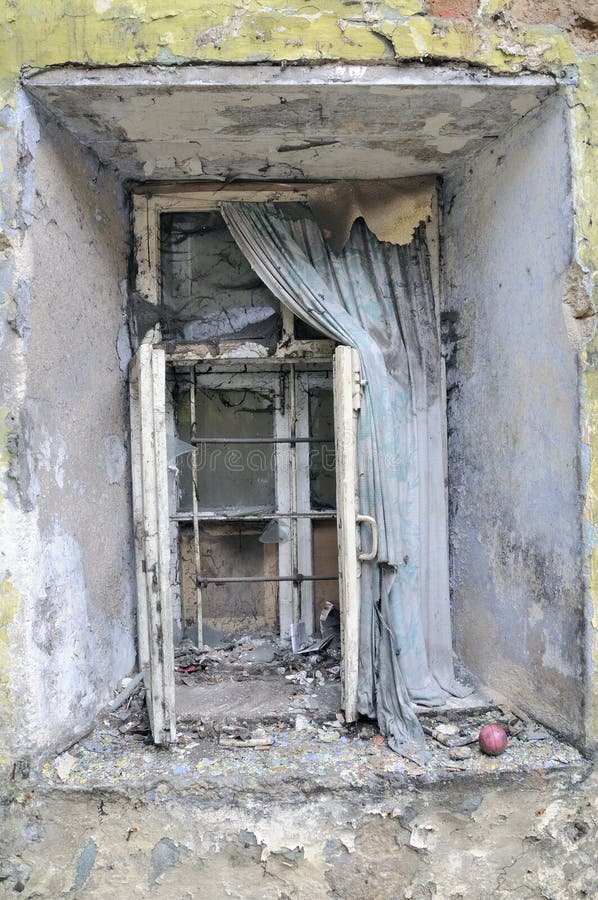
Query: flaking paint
x=38, y=33
x=9, y=605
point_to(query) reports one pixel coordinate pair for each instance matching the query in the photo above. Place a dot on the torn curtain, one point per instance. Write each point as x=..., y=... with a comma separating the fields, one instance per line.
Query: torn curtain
x=377, y=297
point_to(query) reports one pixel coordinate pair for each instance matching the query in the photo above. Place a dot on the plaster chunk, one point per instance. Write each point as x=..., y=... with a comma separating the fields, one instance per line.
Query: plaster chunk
x=116, y=458
x=580, y=316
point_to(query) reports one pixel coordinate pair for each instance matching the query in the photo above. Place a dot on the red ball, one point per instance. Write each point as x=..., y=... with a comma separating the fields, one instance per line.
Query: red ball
x=493, y=740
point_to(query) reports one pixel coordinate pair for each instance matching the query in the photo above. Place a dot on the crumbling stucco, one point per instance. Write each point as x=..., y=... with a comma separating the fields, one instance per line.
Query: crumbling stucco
x=578, y=309
x=534, y=838
x=578, y=18
x=66, y=488
x=514, y=440
x=35, y=35
x=335, y=122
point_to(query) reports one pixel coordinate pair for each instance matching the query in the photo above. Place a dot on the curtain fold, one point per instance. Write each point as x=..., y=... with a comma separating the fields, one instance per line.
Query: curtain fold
x=377, y=297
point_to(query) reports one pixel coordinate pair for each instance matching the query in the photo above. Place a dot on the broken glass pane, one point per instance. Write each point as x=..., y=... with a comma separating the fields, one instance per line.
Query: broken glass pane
x=230, y=476
x=232, y=551
x=209, y=290
x=322, y=479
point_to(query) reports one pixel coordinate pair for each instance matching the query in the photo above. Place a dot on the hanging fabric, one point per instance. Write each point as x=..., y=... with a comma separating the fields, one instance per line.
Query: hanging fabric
x=378, y=298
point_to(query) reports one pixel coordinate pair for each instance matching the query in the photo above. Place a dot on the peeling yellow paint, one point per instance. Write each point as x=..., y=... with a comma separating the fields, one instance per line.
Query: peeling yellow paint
x=491, y=7
x=4, y=432
x=39, y=34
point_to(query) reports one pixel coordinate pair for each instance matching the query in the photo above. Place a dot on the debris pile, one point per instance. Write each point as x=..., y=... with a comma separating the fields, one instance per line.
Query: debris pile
x=302, y=751
x=257, y=654
x=453, y=738
x=129, y=710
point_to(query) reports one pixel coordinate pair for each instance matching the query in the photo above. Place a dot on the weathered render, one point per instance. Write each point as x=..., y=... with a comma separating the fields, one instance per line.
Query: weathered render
x=67, y=508
x=514, y=443
x=65, y=487
x=163, y=840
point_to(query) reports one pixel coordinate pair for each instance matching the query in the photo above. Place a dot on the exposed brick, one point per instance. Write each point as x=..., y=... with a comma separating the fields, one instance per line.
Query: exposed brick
x=453, y=9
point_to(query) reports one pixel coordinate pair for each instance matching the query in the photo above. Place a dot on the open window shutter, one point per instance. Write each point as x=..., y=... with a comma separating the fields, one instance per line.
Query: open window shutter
x=347, y=391
x=152, y=550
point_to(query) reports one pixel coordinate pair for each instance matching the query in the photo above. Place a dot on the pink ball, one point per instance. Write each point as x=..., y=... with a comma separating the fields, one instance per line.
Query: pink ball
x=493, y=740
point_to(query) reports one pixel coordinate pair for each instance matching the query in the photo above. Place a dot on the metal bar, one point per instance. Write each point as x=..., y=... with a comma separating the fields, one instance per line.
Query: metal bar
x=293, y=498
x=259, y=579
x=264, y=440
x=212, y=365
x=208, y=517
x=195, y=502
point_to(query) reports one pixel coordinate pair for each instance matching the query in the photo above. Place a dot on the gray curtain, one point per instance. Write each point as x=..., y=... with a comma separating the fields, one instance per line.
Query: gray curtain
x=377, y=297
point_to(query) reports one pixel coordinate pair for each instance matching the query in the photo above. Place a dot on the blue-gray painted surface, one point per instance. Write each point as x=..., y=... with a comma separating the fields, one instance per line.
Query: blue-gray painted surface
x=514, y=439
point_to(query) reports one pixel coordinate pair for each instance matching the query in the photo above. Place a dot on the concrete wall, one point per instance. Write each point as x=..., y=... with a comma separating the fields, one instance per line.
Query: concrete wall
x=179, y=841
x=33, y=35
x=514, y=441
x=71, y=471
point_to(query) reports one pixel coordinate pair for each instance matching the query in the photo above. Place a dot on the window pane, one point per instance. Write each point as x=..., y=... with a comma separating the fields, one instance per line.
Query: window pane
x=322, y=479
x=230, y=476
x=305, y=332
x=209, y=290
x=230, y=551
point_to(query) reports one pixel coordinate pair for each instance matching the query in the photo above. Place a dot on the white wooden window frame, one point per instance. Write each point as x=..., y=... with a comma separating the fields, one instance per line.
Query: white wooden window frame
x=147, y=388
x=156, y=649
x=148, y=206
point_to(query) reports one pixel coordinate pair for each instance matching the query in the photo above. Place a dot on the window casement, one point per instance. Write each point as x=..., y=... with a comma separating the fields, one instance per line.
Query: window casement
x=243, y=428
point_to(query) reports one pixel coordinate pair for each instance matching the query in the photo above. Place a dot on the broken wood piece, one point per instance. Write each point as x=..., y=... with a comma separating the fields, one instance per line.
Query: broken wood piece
x=262, y=742
x=460, y=753
x=126, y=693
x=449, y=740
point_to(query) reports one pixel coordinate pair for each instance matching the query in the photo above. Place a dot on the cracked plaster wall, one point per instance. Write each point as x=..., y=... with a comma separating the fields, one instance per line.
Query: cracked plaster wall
x=528, y=840
x=39, y=33
x=69, y=479
x=514, y=441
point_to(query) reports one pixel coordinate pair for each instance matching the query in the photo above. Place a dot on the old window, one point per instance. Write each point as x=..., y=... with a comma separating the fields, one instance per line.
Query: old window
x=272, y=471
x=248, y=435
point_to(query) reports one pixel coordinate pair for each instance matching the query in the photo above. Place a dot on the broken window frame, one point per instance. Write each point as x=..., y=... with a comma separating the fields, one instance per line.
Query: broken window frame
x=290, y=352
x=148, y=206
x=289, y=381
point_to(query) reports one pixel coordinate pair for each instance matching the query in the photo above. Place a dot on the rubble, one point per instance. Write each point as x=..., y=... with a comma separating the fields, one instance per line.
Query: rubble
x=300, y=743
x=280, y=683
x=303, y=749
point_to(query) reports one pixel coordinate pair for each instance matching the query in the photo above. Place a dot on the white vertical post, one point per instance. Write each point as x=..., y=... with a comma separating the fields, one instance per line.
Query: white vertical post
x=283, y=504
x=347, y=390
x=150, y=506
x=194, y=505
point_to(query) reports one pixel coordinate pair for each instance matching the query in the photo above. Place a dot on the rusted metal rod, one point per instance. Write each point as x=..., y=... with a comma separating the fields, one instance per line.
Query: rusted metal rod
x=264, y=440
x=259, y=579
x=234, y=517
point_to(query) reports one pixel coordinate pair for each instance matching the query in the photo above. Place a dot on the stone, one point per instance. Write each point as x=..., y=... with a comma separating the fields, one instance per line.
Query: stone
x=302, y=723
x=261, y=654
x=460, y=753
x=165, y=855
x=447, y=728
x=328, y=737
x=453, y=9
x=63, y=765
